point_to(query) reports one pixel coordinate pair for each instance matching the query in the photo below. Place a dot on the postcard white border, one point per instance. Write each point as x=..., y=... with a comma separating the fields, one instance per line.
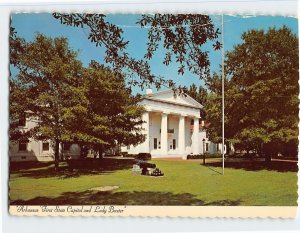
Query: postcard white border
x=284, y=212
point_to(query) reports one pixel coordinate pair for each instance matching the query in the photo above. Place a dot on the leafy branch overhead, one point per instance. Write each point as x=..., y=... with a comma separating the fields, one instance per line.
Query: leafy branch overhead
x=181, y=35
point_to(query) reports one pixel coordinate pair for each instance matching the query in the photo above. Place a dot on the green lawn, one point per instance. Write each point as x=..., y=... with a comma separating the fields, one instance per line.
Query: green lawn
x=184, y=183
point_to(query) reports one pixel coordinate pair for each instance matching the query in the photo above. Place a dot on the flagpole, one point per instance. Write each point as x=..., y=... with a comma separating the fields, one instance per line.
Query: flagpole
x=223, y=118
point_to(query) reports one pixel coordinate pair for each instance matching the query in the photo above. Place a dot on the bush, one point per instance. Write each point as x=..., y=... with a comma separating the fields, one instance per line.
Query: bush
x=143, y=156
x=124, y=154
x=191, y=156
x=207, y=155
x=215, y=155
x=111, y=155
x=129, y=155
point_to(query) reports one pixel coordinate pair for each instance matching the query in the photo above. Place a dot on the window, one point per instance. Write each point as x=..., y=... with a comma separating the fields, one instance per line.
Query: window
x=22, y=146
x=46, y=146
x=155, y=143
x=206, y=146
x=192, y=122
x=22, y=119
x=170, y=130
x=174, y=144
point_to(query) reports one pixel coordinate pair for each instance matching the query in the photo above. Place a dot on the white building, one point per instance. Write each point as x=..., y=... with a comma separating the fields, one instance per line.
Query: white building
x=33, y=150
x=172, y=127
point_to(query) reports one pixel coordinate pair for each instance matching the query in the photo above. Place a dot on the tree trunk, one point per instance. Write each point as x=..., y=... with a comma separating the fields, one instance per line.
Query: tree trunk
x=100, y=152
x=56, y=154
x=228, y=151
x=268, y=158
x=267, y=150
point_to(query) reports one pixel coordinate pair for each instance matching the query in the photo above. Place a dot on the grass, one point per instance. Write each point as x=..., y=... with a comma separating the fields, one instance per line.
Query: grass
x=184, y=183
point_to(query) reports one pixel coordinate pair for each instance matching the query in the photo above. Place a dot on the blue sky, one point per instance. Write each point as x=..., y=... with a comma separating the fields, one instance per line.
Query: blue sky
x=27, y=25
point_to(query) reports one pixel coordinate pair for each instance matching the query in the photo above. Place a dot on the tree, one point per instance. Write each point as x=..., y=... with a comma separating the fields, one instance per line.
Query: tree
x=53, y=87
x=200, y=95
x=16, y=47
x=47, y=86
x=213, y=109
x=114, y=114
x=182, y=36
x=262, y=98
x=17, y=97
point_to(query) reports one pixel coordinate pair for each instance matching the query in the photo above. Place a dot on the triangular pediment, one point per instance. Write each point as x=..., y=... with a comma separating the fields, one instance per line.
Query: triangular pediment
x=171, y=97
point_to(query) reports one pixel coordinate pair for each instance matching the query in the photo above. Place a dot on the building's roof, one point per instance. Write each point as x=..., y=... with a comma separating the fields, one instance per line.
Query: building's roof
x=168, y=96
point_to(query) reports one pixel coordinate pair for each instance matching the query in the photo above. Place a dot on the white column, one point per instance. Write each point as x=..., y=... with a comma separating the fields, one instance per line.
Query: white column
x=195, y=141
x=146, y=144
x=181, y=135
x=164, y=134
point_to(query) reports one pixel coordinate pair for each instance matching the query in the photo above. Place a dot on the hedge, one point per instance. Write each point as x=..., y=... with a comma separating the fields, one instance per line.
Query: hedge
x=143, y=156
x=207, y=155
x=140, y=156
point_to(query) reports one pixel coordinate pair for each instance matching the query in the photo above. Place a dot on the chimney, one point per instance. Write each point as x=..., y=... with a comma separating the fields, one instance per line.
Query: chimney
x=149, y=91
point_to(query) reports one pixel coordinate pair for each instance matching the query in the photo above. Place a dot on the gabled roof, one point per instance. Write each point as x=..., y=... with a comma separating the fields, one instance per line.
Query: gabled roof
x=168, y=96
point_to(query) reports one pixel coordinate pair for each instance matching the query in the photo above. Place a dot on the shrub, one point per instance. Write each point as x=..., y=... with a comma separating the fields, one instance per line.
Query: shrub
x=214, y=155
x=129, y=155
x=191, y=156
x=124, y=154
x=207, y=155
x=143, y=156
x=111, y=155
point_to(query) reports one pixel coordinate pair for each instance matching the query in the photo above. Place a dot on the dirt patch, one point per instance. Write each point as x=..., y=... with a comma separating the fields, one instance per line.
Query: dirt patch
x=104, y=188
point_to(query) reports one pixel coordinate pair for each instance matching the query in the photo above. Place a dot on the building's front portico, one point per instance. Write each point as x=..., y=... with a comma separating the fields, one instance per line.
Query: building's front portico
x=171, y=125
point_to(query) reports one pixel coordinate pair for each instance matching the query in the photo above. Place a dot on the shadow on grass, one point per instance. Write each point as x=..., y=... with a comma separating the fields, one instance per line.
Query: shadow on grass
x=19, y=166
x=278, y=166
x=123, y=198
x=74, y=168
x=214, y=170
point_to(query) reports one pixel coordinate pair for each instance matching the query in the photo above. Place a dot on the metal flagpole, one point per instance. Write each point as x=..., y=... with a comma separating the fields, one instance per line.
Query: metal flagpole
x=223, y=118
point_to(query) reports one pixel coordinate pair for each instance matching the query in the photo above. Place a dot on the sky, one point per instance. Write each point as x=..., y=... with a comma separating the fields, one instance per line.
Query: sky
x=28, y=25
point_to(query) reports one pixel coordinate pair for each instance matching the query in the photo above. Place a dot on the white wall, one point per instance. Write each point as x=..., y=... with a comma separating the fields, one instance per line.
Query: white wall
x=155, y=125
x=34, y=150
x=188, y=135
x=173, y=123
